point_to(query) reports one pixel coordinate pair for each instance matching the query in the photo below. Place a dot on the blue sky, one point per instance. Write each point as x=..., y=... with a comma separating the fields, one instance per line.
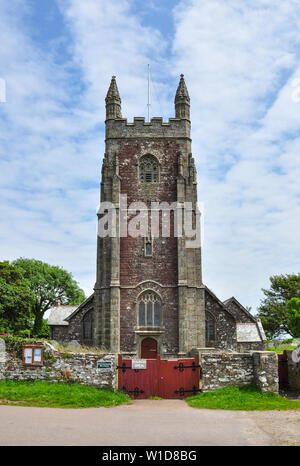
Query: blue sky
x=241, y=62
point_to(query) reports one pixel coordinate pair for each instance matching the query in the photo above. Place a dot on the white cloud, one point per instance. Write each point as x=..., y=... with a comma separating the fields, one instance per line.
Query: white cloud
x=52, y=131
x=109, y=40
x=240, y=61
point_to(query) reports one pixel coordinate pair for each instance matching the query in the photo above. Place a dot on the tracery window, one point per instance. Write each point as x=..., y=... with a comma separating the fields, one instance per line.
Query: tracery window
x=148, y=169
x=149, y=310
x=210, y=327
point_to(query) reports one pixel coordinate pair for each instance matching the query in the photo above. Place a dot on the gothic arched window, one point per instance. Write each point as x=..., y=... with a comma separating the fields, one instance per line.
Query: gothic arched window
x=210, y=327
x=88, y=327
x=149, y=310
x=148, y=169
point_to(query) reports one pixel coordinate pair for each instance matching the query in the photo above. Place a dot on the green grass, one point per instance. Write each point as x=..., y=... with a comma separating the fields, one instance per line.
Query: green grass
x=247, y=398
x=280, y=349
x=155, y=397
x=58, y=395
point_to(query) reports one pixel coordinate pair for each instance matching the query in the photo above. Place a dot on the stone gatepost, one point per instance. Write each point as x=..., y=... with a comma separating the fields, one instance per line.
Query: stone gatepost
x=265, y=365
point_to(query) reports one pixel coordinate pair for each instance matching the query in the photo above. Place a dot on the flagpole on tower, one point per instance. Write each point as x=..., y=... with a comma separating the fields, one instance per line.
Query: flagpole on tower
x=148, y=105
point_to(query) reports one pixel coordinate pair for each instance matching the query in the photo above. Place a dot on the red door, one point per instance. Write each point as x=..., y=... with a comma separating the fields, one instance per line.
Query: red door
x=149, y=348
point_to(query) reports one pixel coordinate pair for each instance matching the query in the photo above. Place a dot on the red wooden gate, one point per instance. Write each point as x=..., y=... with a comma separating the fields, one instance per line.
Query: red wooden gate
x=167, y=378
x=140, y=383
x=283, y=371
x=178, y=378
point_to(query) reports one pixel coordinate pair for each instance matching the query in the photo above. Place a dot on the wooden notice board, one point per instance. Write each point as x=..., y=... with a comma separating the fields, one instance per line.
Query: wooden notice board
x=32, y=355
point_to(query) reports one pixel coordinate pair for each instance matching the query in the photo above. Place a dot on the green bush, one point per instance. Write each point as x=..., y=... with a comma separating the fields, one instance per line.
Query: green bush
x=14, y=344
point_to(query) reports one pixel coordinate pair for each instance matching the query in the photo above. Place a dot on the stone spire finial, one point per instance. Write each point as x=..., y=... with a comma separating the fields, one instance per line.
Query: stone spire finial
x=182, y=100
x=113, y=101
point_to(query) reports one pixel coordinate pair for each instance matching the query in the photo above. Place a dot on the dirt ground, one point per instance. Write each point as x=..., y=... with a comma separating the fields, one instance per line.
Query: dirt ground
x=282, y=426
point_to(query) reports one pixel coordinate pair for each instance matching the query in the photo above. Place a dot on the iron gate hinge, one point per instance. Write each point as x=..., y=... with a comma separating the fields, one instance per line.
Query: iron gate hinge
x=182, y=391
x=181, y=366
x=136, y=391
x=124, y=368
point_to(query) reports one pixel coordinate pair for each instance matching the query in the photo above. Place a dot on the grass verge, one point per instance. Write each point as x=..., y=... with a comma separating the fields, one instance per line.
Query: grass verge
x=280, y=349
x=247, y=398
x=58, y=395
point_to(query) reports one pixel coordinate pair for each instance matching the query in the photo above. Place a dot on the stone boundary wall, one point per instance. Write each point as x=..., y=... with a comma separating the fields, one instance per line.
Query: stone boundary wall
x=236, y=369
x=60, y=367
x=293, y=371
x=219, y=369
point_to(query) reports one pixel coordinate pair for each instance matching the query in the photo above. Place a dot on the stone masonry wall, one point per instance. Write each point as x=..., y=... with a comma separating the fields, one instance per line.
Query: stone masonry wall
x=61, y=367
x=75, y=329
x=238, y=313
x=246, y=346
x=59, y=332
x=236, y=369
x=223, y=369
x=218, y=369
x=130, y=341
x=225, y=325
x=175, y=128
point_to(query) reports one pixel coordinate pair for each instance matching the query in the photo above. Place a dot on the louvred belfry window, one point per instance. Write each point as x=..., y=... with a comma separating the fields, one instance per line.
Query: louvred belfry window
x=148, y=169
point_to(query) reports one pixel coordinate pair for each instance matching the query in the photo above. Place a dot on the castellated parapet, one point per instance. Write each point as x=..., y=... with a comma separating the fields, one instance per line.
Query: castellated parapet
x=156, y=128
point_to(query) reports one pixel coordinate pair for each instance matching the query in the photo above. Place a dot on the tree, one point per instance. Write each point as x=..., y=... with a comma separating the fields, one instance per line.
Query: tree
x=15, y=299
x=48, y=284
x=273, y=309
x=293, y=309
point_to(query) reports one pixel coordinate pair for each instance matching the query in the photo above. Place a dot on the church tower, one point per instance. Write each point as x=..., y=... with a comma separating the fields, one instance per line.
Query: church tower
x=148, y=297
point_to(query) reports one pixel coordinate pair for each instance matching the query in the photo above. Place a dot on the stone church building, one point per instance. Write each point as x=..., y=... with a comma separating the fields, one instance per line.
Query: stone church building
x=149, y=297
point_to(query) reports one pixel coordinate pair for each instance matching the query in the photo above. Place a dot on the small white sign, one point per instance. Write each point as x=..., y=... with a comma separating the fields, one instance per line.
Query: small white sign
x=139, y=364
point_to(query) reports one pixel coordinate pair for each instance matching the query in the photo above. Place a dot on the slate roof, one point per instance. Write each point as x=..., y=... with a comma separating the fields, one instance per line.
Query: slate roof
x=58, y=314
x=78, y=308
